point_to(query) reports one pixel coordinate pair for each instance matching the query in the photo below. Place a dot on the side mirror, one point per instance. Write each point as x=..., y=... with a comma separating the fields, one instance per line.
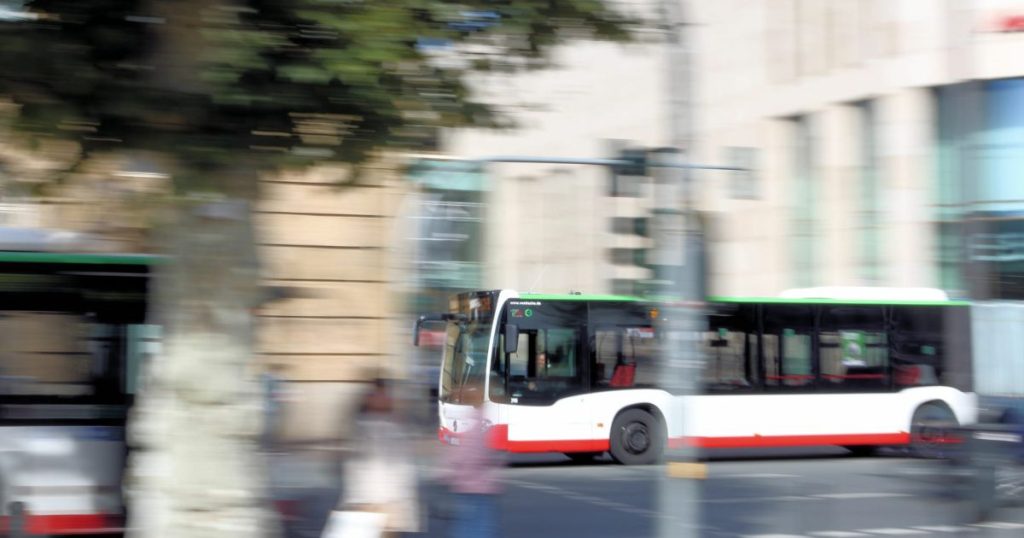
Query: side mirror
x=426, y=318
x=511, y=337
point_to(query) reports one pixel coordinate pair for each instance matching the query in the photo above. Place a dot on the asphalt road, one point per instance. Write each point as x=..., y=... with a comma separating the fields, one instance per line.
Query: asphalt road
x=819, y=493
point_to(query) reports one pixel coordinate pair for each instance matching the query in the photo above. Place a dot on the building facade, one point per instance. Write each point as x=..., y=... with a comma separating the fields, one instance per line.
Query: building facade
x=566, y=227
x=887, y=138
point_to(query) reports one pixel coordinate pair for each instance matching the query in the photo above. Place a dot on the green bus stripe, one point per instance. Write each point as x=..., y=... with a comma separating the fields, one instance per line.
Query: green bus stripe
x=784, y=300
x=72, y=258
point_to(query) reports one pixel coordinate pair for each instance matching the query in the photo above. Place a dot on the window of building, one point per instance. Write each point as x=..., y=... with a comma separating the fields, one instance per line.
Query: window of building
x=802, y=222
x=869, y=217
x=743, y=182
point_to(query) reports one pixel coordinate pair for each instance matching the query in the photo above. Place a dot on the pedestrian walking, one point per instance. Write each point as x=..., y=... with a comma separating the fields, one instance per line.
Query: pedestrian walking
x=380, y=486
x=471, y=470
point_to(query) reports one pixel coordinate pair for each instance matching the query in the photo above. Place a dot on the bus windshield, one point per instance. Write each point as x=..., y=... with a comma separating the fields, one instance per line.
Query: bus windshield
x=465, y=360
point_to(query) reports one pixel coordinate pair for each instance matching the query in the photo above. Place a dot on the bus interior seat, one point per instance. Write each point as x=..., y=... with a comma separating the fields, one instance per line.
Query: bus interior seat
x=623, y=376
x=916, y=374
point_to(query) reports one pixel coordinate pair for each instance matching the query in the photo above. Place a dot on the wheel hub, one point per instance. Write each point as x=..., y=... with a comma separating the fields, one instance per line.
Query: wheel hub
x=637, y=440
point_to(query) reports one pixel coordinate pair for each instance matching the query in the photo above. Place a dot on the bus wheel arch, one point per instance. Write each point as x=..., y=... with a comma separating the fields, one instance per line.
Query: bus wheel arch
x=638, y=435
x=931, y=425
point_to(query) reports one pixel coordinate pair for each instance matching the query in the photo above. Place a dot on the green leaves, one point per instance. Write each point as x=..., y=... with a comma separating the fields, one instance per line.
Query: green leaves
x=204, y=82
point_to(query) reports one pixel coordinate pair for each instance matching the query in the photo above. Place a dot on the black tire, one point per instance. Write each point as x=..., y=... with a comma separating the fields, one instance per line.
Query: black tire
x=931, y=429
x=862, y=451
x=637, y=438
x=583, y=457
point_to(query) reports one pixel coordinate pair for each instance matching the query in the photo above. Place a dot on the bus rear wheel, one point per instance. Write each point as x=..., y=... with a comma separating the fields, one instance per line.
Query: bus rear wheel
x=932, y=429
x=637, y=438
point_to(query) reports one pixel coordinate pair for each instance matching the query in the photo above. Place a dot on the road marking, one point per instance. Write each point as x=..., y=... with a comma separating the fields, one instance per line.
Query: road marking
x=798, y=498
x=945, y=528
x=569, y=494
x=756, y=475
x=861, y=495
x=999, y=525
x=897, y=531
x=682, y=469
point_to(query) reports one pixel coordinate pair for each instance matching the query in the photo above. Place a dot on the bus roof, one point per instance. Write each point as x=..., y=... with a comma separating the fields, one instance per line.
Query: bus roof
x=577, y=297
x=796, y=300
x=748, y=300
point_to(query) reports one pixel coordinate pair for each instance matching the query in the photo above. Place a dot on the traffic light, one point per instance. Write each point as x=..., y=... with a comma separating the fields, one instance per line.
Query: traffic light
x=624, y=176
x=635, y=162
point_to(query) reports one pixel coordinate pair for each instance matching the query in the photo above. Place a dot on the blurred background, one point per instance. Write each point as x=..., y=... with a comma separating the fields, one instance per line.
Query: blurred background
x=860, y=143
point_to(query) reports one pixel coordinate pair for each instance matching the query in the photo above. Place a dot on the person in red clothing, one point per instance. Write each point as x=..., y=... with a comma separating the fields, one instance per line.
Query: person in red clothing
x=471, y=472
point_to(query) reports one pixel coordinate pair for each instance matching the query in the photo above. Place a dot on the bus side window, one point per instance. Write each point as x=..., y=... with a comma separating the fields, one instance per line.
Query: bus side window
x=730, y=360
x=623, y=357
x=786, y=346
x=853, y=348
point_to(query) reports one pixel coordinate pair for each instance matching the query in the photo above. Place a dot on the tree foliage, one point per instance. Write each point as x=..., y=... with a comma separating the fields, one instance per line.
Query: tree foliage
x=266, y=83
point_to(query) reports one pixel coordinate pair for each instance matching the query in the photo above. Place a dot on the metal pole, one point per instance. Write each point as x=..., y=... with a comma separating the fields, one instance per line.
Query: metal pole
x=583, y=161
x=681, y=359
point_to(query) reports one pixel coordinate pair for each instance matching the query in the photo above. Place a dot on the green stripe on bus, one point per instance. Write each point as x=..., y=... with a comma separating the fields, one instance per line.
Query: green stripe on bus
x=93, y=259
x=786, y=300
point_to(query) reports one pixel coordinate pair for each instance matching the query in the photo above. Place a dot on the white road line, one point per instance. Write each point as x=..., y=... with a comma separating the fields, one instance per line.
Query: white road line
x=799, y=498
x=569, y=494
x=836, y=534
x=894, y=531
x=862, y=495
x=774, y=536
x=754, y=475
x=999, y=525
x=945, y=528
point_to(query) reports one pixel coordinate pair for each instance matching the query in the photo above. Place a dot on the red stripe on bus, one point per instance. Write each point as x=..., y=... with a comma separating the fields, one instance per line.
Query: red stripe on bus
x=762, y=441
x=68, y=524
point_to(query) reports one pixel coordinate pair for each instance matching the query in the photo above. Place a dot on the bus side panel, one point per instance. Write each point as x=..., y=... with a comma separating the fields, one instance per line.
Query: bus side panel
x=67, y=477
x=963, y=404
x=602, y=407
x=563, y=426
x=726, y=421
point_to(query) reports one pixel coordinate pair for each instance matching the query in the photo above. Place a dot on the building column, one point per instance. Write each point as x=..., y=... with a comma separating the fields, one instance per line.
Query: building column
x=906, y=125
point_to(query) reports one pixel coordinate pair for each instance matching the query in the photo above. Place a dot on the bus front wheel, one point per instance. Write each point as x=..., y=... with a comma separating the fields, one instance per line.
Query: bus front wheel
x=637, y=438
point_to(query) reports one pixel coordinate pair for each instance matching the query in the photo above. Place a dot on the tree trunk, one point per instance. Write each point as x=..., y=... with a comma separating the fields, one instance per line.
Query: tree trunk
x=195, y=468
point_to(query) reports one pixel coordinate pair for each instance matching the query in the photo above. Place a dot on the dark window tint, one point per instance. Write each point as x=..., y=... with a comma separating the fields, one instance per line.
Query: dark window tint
x=730, y=349
x=918, y=344
x=786, y=346
x=853, y=348
x=549, y=362
x=623, y=347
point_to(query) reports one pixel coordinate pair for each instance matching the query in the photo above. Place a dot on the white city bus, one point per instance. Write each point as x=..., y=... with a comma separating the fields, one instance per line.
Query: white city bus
x=73, y=336
x=578, y=374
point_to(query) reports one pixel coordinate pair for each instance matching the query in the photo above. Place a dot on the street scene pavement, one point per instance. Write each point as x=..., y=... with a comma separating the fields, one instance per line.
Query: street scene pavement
x=823, y=493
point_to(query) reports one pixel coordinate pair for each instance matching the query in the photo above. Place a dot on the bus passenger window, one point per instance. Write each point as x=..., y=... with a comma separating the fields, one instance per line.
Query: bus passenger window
x=730, y=360
x=854, y=350
x=786, y=346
